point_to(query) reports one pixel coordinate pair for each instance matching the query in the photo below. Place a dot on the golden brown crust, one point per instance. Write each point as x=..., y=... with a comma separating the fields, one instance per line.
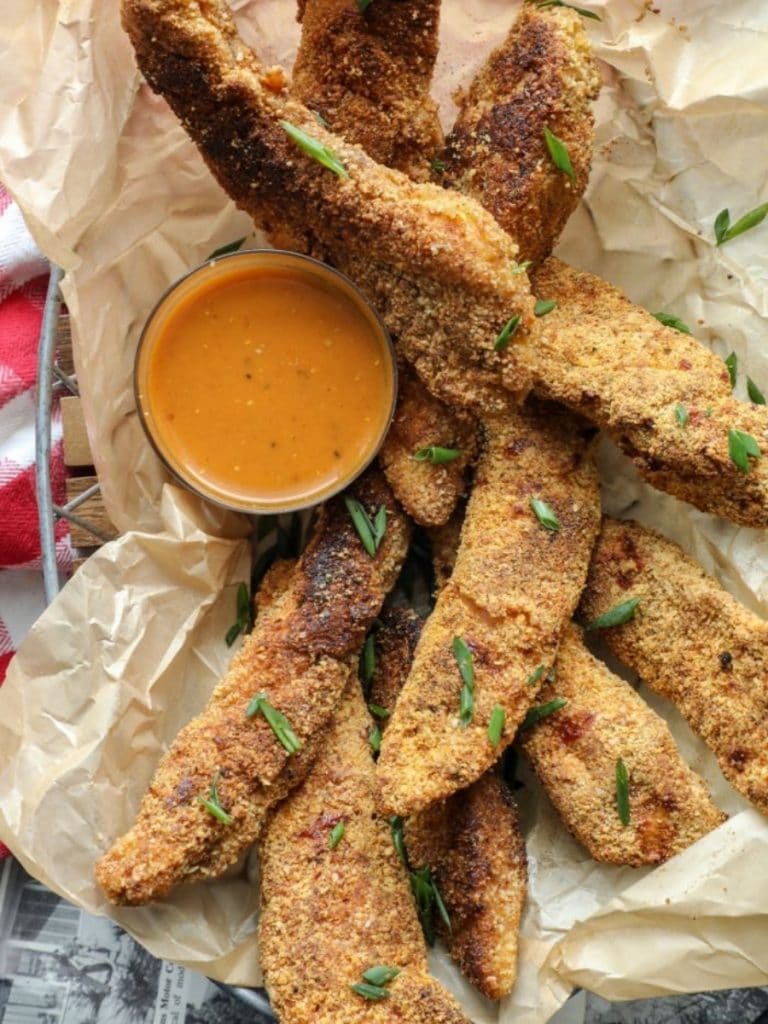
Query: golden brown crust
x=475, y=851
x=435, y=264
x=300, y=653
x=395, y=644
x=543, y=76
x=368, y=74
x=330, y=914
x=691, y=642
x=429, y=493
x=616, y=364
x=514, y=587
x=574, y=754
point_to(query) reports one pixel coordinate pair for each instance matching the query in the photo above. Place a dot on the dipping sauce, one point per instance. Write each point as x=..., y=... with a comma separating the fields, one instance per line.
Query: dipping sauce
x=265, y=381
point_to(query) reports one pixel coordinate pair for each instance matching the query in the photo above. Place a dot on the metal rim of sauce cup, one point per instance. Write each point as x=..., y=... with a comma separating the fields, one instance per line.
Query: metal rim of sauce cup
x=284, y=259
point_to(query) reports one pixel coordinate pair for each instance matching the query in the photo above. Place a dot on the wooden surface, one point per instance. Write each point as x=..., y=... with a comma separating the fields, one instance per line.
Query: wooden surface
x=78, y=459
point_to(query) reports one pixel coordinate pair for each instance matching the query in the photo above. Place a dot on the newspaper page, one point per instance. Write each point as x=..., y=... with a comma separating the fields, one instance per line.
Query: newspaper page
x=61, y=965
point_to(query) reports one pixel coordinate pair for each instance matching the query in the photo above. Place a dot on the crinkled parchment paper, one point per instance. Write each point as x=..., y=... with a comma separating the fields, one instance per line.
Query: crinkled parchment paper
x=115, y=193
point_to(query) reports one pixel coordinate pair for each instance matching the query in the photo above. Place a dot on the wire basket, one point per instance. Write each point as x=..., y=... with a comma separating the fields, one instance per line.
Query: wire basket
x=52, y=382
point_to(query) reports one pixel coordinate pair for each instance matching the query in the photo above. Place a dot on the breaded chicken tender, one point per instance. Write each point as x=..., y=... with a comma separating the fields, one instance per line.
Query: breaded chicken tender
x=515, y=586
x=616, y=364
x=428, y=491
x=368, y=74
x=574, y=753
x=436, y=265
x=542, y=78
x=470, y=842
x=692, y=643
x=300, y=656
x=330, y=913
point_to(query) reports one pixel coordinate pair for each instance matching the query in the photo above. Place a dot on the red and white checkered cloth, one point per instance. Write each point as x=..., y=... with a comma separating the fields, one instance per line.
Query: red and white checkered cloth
x=23, y=284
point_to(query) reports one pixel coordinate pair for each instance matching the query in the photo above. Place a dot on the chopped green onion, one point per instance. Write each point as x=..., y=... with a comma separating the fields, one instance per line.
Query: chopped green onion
x=212, y=804
x=732, y=363
x=337, y=834
x=616, y=616
x=374, y=739
x=534, y=677
x=315, y=149
x=362, y=988
x=379, y=711
x=224, y=250
x=756, y=396
x=507, y=331
x=535, y=714
x=545, y=514
x=363, y=5
x=742, y=447
x=436, y=455
x=243, y=615
x=541, y=4
x=428, y=898
x=370, y=533
x=277, y=722
x=463, y=656
x=622, y=791
x=520, y=268
x=544, y=306
x=398, y=837
x=681, y=414
x=672, y=321
x=725, y=231
x=496, y=725
x=559, y=153
x=381, y=974
x=438, y=166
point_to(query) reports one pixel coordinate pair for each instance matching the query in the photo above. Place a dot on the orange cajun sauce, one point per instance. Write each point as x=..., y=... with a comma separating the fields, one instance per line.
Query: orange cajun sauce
x=265, y=383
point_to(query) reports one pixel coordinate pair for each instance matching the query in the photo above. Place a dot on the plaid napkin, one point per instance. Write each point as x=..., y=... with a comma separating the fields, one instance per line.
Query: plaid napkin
x=23, y=283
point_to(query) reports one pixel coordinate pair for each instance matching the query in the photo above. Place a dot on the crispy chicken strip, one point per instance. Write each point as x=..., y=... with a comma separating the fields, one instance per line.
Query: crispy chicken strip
x=471, y=842
x=616, y=364
x=368, y=74
x=436, y=265
x=300, y=655
x=429, y=492
x=543, y=76
x=514, y=587
x=574, y=753
x=328, y=915
x=692, y=643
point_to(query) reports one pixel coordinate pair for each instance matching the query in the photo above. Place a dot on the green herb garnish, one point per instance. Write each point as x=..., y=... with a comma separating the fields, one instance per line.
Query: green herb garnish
x=463, y=656
x=378, y=711
x=212, y=804
x=544, y=306
x=224, y=250
x=732, y=363
x=363, y=5
x=756, y=396
x=541, y=4
x=616, y=616
x=559, y=153
x=374, y=739
x=622, y=791
x=507, y=331
x=436, y=455
x=725, y=231
x=545, y=514
x=428, y=899
x=681, y=414
x=362, y=988
x=398, y=837
x=496, y=725
x=520, y=268
x=315, y=149
x=534, y=677
x=277, y=722
x=380, y=975
x=438, y=166
x=672, y=321
x=370, y=532
x=243, y=606
x=534, y=715
x=337, y=834
x=742, y=447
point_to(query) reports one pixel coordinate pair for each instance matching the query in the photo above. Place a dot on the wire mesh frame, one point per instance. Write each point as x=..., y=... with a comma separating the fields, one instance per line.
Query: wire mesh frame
x=51, y=381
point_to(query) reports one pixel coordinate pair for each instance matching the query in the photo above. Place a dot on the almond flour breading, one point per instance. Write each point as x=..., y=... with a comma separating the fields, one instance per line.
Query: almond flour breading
x=691, y=642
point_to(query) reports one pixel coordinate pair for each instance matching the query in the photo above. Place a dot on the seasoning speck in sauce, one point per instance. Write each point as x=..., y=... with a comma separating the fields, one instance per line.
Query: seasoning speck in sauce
x=266, y=383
